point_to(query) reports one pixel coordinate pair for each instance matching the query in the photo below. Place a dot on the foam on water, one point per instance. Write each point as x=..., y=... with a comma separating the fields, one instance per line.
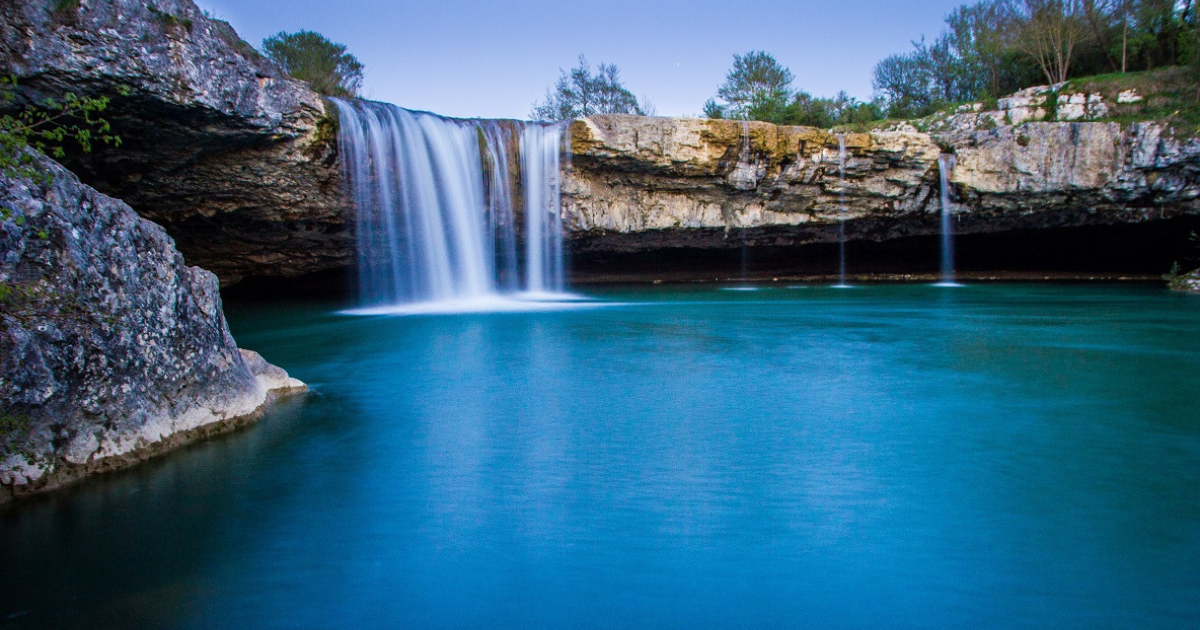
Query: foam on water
x=524, y=302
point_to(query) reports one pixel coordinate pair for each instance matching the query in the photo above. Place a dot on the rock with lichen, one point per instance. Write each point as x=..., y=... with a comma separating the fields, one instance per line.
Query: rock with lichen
x=234, y=158
x=639, y=184
x=112, y=349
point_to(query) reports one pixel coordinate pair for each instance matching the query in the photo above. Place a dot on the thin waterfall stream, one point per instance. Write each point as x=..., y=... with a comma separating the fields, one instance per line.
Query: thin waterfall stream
x=744, y=177
x=450, y=214
x=748, y=156
x=946, y=163
x=842, y=284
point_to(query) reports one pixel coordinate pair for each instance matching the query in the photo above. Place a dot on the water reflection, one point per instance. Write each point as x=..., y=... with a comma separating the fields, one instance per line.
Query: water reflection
x=999, y=456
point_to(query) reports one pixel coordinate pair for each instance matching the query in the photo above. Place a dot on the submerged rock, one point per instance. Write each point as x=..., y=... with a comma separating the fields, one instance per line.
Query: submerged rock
x=111, y=348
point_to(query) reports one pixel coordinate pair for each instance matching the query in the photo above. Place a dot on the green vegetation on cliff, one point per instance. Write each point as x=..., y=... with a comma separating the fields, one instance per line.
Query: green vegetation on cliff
x=996, y=47
x=310, y=57
x=581, y=92
x=993, y=48
x=1189, y=282
x=47, y=127
x=1170, y=95
x=758, y=87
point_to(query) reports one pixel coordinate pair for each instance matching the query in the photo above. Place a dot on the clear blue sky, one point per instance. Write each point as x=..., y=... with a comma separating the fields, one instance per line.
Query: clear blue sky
x=494, y=59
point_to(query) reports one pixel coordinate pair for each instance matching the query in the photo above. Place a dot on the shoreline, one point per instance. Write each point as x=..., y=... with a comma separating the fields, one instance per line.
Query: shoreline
x=276, y=384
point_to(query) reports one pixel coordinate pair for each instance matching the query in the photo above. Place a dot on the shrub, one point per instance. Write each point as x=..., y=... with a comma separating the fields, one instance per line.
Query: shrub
x=310, y=57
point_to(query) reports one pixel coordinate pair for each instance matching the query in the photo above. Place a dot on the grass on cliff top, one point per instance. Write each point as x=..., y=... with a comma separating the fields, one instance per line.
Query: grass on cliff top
x=1170, y=95
x=1171, y=79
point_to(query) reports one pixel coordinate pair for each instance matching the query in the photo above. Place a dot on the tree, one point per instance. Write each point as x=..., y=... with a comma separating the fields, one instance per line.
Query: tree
x=756, y=83
x=979, y=36
x=825, y=113
x=713, y=109
x=995, y=47
x=580, y=93
x=759, y=88
x=903, y=82
x=1164, y=35
x=1050, y=31
x=324, y=65
x=1098, y=15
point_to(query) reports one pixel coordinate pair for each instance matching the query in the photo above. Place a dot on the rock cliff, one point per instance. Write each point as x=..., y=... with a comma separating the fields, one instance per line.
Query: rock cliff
x=234, y=158
x=641, y=184
x=111, y=348
x=239, y=163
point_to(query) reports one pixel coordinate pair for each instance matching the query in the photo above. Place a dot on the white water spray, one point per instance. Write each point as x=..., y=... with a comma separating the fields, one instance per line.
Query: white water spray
x=436, y=214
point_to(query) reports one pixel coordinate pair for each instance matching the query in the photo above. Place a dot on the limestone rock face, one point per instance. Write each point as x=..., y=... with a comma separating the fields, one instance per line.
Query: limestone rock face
x=689, y=181
x=640, y=184
x=239, y=163
x=1076, y=173
x=234, y=158
x=111, y=348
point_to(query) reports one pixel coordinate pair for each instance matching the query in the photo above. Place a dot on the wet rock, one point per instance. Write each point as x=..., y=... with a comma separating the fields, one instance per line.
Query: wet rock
x=239, y=162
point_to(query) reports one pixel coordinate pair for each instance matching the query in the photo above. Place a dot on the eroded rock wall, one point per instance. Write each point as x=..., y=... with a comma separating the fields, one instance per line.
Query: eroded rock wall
x=240, y=164
x=111, y=348
x=234, y=158
x=640, y=184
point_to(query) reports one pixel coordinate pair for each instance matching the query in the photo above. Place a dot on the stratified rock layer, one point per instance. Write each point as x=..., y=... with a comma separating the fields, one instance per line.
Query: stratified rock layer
x=641, y=184
x=111, y=348
x=234, y=158
x=239, y=162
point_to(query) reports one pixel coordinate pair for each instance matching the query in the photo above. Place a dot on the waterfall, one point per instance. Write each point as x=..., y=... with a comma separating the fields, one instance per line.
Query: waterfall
x=540, y=167
x=946, y=163
x=841, y=138
x=436, y=208
x=748, y=157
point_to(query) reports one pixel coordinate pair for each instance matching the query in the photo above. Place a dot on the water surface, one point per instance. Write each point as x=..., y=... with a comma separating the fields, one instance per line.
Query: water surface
x=1002, y=456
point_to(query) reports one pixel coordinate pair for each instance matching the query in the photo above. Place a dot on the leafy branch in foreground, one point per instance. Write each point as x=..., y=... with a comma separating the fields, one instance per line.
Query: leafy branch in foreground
x=47, y=126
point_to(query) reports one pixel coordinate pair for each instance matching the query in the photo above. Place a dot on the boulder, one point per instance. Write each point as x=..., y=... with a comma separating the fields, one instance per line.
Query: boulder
x=112, y=349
